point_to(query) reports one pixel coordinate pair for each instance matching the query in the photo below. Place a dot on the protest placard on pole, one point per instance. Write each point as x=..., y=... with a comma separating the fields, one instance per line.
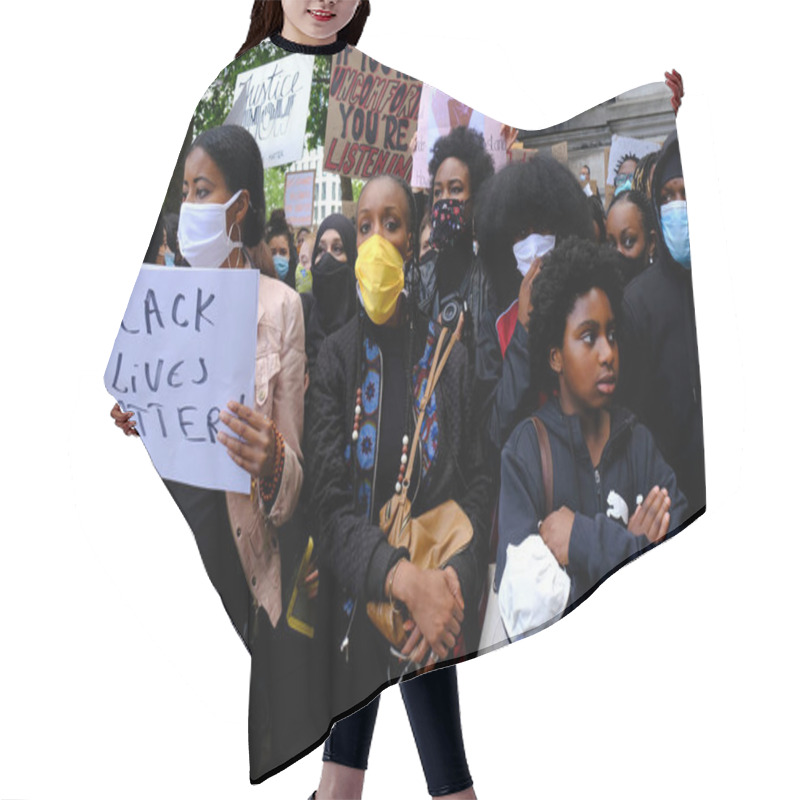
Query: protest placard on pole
x=271, y=102
x=186, y=346
x=298, y=197
x=372, y=118
x=438, y=115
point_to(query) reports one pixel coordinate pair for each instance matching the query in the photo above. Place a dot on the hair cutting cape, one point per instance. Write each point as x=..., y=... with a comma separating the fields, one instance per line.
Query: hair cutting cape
x=325, y=121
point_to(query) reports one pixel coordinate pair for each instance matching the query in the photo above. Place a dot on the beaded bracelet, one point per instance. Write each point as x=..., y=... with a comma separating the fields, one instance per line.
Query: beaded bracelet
x=268, y=489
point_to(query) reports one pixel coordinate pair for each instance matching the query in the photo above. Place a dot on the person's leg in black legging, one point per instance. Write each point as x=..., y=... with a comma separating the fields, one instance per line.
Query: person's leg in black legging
x=433, y=711
x=346, y=754
x=432, y=706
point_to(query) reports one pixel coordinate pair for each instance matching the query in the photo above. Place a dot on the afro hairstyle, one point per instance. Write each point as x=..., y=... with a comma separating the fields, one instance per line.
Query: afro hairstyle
x=572, y=269
x=469, y=147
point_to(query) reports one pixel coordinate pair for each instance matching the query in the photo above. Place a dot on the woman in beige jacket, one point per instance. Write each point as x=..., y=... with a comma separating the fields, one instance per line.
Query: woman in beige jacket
x=248, y=542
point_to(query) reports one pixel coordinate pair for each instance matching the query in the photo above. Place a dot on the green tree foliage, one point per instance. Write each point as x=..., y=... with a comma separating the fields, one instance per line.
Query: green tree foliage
x=218, y=99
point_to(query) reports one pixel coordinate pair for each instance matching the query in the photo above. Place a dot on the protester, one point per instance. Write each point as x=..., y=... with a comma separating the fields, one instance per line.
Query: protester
x=659, y=335
x=643, y=174
x=586, y=181
x=368, y=380
x=613, y=494
x=623, y=175
x=333, y=258
x=223, y=172
x=631, y=231
x=455, y=287
x=523, y=212
x=302, y=275
x=302, y=234
x=280, y=242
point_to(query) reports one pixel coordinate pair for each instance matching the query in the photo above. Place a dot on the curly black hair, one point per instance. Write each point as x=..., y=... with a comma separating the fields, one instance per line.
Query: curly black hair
x=541, y=194
x=468, y=146
x=570, y=270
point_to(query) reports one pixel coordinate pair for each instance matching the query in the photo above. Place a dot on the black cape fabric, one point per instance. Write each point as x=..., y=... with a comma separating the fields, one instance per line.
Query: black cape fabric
x=301, y=683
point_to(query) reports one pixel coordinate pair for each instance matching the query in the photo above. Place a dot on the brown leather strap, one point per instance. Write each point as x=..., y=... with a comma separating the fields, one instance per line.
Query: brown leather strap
x=547, y=464
x=434, y=372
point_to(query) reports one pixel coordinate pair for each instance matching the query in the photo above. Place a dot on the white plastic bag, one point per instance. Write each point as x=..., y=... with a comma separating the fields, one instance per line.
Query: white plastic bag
x=534, y=589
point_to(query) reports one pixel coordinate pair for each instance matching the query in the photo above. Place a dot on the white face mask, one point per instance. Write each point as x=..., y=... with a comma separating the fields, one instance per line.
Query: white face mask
x=202, y=233
x=528, y=250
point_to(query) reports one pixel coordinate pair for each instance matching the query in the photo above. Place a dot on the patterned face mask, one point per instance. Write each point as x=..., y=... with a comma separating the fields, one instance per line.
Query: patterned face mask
x=447, y=222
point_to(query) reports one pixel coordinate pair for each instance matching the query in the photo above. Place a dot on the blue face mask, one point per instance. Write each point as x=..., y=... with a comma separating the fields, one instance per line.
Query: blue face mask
x=675, y=227
x=623, y=187
x=281, y=266
x=169, y=258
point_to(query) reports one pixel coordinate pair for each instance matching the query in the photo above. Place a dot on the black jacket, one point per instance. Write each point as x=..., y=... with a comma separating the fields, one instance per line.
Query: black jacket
x=660, y=372
x=603, y=499
x=475, y=288
x=353, y=549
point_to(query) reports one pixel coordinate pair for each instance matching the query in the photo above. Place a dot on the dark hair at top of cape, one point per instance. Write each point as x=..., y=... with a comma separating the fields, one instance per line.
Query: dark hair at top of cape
x=266, y=19
x=541, y=194
x=570, y=270
x=236, y=154
x=469, y=147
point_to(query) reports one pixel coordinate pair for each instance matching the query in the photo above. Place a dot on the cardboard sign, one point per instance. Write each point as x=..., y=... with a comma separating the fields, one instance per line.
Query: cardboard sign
x=186, y=346
x=271, y=102
x=558, y=151
x=298, y=197
x=438, y=115
x=372, y=118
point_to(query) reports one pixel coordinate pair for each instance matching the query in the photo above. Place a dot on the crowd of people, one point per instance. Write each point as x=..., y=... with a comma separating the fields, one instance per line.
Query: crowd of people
x=502, y=343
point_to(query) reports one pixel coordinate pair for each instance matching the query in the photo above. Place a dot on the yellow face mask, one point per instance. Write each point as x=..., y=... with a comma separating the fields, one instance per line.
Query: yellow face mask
x=379, y=272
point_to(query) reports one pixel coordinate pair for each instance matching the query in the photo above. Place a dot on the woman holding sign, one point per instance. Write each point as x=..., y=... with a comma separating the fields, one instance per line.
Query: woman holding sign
x=248, y=546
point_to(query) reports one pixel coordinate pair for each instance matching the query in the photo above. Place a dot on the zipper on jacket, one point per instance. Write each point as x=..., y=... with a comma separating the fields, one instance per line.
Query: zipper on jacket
x=344, y=647
x=599, y=490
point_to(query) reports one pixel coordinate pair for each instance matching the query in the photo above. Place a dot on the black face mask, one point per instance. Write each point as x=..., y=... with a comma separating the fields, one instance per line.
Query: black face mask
x=334, y=289
x=428, y=257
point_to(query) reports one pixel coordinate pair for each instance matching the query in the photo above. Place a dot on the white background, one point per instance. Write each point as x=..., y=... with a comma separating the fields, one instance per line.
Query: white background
x=120, y=675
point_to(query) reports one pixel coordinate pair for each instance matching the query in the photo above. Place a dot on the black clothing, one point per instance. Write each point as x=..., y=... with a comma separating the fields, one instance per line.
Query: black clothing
x=659, y=366
x=286, y=703
x=433, y=710
x=353, y=549
x=473, y=285
x=603, y=497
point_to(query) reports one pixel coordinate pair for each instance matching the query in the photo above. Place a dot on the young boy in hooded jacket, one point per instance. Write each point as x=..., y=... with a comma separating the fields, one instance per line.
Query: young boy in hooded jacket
x=613, y=493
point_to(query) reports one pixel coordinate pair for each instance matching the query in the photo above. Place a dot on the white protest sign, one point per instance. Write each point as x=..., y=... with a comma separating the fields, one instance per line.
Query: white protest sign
x=186, y=346
x=438, y=115
x=271, y=102
x=622, y=146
